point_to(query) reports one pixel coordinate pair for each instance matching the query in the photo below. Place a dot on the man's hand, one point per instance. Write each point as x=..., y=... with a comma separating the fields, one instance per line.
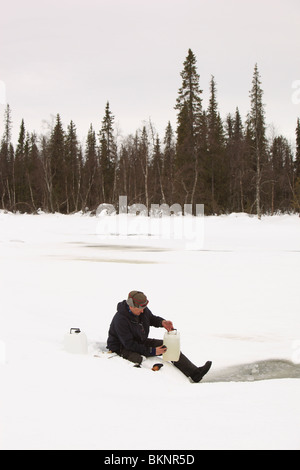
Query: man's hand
x=168, y=325
x=160, y=350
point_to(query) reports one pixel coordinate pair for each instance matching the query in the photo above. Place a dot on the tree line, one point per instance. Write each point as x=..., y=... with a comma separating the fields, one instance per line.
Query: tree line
x=226, y=164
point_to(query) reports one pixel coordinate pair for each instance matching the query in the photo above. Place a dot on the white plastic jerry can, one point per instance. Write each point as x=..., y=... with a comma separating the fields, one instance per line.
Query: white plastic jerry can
x=172, y=342
x=76, y=341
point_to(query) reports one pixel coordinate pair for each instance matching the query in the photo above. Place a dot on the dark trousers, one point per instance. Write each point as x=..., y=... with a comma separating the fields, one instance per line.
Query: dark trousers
x=183, y=364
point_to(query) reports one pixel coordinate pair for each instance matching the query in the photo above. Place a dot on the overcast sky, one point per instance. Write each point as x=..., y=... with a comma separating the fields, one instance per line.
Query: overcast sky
x=72, y=56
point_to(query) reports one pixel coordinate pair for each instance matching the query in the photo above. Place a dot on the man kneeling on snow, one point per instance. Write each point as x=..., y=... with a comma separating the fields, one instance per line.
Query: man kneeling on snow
x=128, y=335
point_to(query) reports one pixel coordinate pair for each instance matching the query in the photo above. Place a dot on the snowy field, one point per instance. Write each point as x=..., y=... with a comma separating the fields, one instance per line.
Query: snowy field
x=234, y=298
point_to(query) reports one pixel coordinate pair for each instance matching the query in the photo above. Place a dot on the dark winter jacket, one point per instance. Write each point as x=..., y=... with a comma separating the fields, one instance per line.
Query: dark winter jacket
x=130, y=331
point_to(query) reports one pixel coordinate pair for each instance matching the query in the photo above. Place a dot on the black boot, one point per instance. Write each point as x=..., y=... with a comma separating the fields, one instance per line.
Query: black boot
x=200, y=372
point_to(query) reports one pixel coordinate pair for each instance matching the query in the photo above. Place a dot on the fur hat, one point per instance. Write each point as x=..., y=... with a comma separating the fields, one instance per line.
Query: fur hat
x=137, y=299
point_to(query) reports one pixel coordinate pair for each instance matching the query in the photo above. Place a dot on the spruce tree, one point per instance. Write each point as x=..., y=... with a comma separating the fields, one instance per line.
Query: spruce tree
x=123, y=166
x=58, y=196
x=217, y=165
x=27, y=169
x=34, y=173
x=229, y=127
x=19, y=168
x=168, y=169
x=108, y=157
x=257, y=133
x=28, y=175
x=281, y=175
x=73, y=169
x=189, y=107
x=144, y=160
x=157, y=195
x=136, y=168
x=235, y=154
x=90, y=174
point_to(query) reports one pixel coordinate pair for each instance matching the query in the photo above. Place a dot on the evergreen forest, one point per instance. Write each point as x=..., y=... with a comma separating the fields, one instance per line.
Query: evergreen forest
x=224, y=163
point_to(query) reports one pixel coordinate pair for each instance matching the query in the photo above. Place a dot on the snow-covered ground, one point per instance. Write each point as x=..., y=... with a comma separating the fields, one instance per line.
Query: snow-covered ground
x=234, y=297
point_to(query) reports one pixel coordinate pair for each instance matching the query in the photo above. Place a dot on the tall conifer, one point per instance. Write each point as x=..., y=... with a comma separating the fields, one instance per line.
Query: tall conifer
x=108, y=157
x=73, y=168
x=217, y=168
x=189, y=107
x=257, y=129
x=19, y=173
x=90, y=188
x=58, y=167
x=169, y=164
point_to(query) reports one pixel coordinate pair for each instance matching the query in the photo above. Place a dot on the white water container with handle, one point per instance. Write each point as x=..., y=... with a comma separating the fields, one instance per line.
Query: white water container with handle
x=76, y=341
x=172, y=342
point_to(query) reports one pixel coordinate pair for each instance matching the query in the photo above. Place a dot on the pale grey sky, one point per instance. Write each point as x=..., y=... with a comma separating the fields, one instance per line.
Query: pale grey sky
x=72, y=56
